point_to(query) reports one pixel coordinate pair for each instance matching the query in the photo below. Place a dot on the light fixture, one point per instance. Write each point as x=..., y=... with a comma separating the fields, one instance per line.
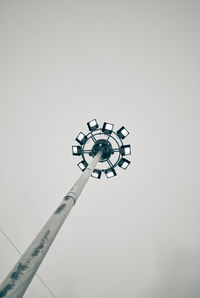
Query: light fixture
x=122, y=132
x=81, y=138
x=107, y=128
x=82, y=165
x=110, y=173
x=125, y=150
x=92, y=125
x=109, y=142
x=96, y=174
x=124, y=163
x=76, y=150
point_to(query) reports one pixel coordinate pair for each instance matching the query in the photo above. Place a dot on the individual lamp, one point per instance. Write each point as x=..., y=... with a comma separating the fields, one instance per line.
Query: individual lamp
x=124, y=163
x=125, y=150
x=110, y=173
x=92, y=125
x=76, y=150
x=107, y=128
x=82, y=165
x=122, y=132
x=96, y=174
x=81, y=138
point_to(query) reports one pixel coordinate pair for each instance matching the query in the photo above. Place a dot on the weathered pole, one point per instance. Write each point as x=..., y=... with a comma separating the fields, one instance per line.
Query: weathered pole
x=19, y=278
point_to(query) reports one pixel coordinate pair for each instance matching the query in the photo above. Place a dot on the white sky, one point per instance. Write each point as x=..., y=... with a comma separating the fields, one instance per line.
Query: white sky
x=131, y=63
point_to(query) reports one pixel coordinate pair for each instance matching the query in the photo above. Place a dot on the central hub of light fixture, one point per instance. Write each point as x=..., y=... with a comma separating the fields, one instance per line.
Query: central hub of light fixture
x=105, y=146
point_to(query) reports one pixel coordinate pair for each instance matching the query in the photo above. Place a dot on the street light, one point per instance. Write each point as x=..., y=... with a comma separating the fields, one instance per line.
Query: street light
x=100, y=150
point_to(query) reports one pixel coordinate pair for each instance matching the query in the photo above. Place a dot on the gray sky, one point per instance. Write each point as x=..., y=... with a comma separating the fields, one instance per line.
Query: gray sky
x=132, y=63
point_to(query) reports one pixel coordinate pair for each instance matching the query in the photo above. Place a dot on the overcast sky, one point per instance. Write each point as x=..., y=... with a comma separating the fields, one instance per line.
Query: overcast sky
x=131, y=63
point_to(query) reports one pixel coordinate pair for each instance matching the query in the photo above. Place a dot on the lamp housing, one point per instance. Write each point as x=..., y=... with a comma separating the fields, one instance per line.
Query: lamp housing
x=124, y=163
x=125, y=150
x=96, y=174
x=110, y=173
x=107, y=128
x=92, y=125
x=82, y=165
x=81, y=138
x=122, y=132
x=76, y=150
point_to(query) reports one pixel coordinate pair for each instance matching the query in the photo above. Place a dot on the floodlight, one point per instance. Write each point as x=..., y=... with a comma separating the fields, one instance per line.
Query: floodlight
x=76, y=150
x=122, y=132
x=96, y=174
x=81, y=138
x=82, y=165
x=124, y=163
x=110, y=173
x=107, y=128
x=92, y=125
x=125, y=150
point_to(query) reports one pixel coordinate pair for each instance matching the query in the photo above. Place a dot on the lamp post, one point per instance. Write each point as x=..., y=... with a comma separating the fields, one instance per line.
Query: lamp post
x=101, y=150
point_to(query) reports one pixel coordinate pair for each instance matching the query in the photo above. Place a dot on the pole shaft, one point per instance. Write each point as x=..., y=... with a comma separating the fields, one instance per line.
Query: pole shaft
x=19, y=278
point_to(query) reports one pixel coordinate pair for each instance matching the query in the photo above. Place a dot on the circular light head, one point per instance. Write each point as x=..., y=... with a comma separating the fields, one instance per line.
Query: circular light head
x=105, y=140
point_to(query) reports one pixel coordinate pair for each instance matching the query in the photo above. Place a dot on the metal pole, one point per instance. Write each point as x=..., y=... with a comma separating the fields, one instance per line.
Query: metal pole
x=19, y=278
